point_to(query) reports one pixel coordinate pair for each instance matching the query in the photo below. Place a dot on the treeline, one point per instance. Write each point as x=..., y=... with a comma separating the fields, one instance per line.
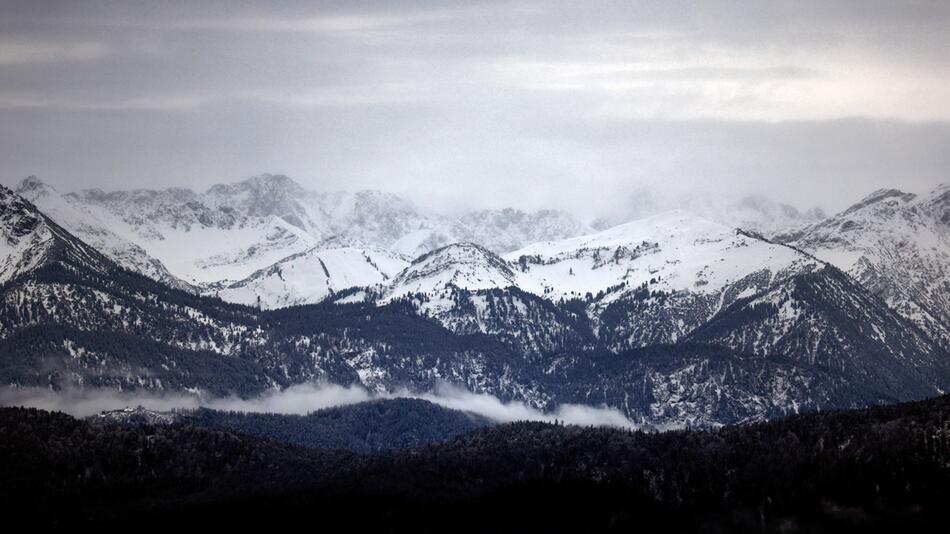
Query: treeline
x=877, y=469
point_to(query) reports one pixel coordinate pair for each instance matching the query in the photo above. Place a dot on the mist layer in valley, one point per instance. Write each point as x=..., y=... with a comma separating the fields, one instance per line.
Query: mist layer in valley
x=302, y=399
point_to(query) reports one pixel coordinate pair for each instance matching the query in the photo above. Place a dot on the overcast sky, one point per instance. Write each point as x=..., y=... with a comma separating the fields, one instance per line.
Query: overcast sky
x=527, y=104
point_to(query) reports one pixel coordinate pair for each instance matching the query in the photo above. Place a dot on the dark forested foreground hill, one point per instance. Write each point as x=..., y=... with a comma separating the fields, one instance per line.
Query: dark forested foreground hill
x=878, y=469
x=371, y=426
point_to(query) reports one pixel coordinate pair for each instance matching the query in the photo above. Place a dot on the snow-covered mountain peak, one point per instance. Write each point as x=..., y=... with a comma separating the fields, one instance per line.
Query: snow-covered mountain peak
x=680, y=221
x=232, y=230
x=47, y=199
x=315, y=275
x=257, y=186
x=673, y=224
x=17, y=215
x=462, y=251
x=29, y=240
x=764, y=204
x=940, y=194
x=889, y=198
x=136, y=199
x=84, y=224
x=267, y=195
x=201, y=238
x=937, y=203
x=374, y=198
x=459, y=265
x=509, y=229
x=676, y=250
x=897, y=245
x=886, y=215
x=764, y=215
x=755, y=213
x=35, y=186
x=384, y=219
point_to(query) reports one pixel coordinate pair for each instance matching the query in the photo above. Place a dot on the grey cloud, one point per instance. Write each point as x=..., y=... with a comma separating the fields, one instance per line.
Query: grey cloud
x=462, y=104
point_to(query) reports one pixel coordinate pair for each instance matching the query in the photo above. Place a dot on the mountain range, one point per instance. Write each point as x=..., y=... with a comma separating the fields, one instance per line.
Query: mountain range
x=673, y=319
x=230, y=231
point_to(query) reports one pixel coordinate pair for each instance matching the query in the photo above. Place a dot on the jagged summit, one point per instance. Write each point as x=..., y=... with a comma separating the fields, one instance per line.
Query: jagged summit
x=141, y=198
x=261, y=183
x=19, y=216
x=201, y=238
x=32, y=183
x=266, y=195
x=29, y=240
x=82, y=223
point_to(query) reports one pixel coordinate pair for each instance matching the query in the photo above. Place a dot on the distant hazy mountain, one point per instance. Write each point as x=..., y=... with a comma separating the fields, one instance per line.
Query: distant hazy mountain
x=199, y=239
x=232, y=231
x=507, y=230
x=755, y=213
